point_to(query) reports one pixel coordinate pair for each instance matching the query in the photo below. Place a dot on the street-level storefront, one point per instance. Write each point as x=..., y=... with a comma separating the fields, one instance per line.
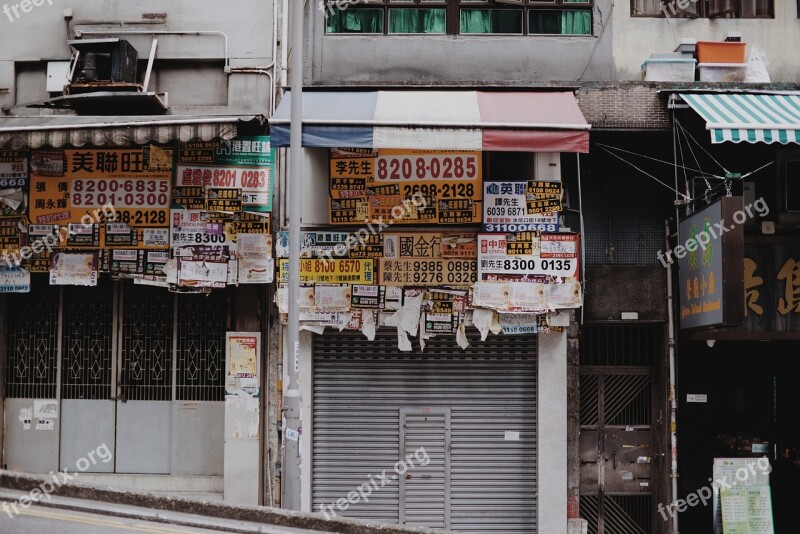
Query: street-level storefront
x=437, y=278
x=738, y=311
x=131, y=251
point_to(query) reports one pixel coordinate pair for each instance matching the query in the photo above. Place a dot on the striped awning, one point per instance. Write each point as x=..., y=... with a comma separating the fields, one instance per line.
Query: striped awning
x=749, y=117
x=546, y=121
x=82, y=130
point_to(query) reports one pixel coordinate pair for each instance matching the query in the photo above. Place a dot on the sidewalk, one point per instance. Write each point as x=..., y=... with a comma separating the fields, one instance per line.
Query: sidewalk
x=186, y=512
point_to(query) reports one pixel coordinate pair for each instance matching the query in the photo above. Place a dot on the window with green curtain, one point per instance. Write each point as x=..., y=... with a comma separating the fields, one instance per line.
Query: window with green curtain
x=355, y=21
x=414, y=20
x=491, y=21
x=564, y=22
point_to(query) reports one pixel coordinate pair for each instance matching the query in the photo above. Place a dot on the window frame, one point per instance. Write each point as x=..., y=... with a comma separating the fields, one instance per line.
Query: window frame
x=704, y=11
x=453, y=10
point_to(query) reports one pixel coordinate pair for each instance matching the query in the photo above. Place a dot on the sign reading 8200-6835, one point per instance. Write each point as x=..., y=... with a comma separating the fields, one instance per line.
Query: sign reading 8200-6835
x=68, y=184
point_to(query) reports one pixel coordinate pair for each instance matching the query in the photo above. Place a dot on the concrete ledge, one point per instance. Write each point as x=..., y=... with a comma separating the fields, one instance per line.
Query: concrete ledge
x=258, y=514
x=577, y=526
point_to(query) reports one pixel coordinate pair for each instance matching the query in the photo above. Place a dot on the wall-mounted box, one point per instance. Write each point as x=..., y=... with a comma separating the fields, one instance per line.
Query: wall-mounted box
x=57, y=76
x=548, y=166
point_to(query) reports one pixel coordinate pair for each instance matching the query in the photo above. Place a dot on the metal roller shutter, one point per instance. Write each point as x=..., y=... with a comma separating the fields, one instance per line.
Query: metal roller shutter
x=374, y=405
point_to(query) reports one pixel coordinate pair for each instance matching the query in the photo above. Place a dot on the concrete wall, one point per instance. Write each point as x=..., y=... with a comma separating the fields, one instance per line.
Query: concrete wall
x=636, y=37
x=189, y=67
x=456, y=60
x=613, y=289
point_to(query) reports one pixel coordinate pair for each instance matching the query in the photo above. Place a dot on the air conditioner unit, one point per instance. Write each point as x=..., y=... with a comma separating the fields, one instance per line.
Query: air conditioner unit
x=102, y=65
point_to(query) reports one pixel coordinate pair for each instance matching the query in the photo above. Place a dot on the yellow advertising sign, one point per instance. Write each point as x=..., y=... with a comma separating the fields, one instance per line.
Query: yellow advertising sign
x=448, y=181
x=419, y=272
x=333, y=271
x=67, y=185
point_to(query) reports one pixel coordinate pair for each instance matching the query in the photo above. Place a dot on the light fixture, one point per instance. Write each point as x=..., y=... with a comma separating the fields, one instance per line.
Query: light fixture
x=710, y=342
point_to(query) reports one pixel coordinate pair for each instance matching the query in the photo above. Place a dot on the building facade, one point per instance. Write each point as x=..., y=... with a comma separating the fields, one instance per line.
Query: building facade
x=136, y=158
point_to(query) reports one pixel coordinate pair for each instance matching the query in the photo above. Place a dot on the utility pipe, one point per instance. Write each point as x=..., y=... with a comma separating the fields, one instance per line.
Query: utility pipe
x=673, y=400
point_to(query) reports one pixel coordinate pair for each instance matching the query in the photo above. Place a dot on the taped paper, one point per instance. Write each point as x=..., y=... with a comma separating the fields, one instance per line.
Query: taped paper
x=368, y=324
x=461, y=337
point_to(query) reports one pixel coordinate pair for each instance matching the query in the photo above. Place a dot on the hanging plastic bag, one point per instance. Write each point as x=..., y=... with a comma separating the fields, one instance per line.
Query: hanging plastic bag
x=757, y=66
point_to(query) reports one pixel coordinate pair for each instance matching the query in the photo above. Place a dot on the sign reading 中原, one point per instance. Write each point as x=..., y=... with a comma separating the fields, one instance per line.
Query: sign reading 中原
x=495, y=262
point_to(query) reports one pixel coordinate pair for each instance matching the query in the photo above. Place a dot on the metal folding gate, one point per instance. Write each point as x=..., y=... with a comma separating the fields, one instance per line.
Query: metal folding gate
x=133, y=367
x=618, y=457
x=472, y=413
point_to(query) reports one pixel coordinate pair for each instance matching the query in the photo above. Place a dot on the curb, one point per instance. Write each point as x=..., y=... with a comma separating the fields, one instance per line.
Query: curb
x=256, y=514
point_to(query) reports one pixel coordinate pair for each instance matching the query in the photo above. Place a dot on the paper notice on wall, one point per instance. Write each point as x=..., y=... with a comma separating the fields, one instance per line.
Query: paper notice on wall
x=368, y=324
x=14, y=280
x=403, y=342
x=518, y=323
x=25, y=417
x=332, y=297
x=45, y=408
x=249, y=244
x=510, y=296
x=255, y=269
x=564, y=295
x=44, y=424
x=407, y=317
x=482, y=319
x=74, y=268
x=461, y=337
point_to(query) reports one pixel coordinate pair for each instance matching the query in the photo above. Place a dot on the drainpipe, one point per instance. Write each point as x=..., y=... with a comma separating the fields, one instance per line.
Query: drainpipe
x=673, y=400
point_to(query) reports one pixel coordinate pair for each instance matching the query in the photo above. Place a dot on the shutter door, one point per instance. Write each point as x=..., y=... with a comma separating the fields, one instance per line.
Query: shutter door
x=360, y=389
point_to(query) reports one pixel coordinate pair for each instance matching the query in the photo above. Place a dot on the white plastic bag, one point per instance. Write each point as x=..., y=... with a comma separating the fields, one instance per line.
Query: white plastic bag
x=756, y=71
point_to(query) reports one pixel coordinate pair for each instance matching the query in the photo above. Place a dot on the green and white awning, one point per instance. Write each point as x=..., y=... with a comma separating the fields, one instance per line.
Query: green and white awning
x=751, y=118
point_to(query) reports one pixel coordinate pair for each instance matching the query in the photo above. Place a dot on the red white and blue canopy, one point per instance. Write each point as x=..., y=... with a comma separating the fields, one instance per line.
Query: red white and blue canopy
x=533, y=121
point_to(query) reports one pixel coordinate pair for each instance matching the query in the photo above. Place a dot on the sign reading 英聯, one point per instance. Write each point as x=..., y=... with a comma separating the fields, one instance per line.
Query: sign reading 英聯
x=505, y=210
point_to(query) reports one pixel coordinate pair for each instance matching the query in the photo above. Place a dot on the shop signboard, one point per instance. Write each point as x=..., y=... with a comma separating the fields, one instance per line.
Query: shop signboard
x=711, y=269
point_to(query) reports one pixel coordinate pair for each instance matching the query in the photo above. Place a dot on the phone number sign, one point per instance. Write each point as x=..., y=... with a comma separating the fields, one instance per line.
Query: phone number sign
x=135, y=181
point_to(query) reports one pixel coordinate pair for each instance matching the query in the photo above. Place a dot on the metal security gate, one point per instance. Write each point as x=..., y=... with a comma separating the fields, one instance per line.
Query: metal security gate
x=472, y=413
x=617, y=448
x=133, y=367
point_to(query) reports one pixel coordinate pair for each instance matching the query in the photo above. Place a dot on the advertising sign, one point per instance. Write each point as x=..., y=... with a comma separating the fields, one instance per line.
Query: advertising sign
x=504, y=210
x=494, y=262
x=136, y=181
x=333, y=271
x=711, y=276
x=366, y=185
